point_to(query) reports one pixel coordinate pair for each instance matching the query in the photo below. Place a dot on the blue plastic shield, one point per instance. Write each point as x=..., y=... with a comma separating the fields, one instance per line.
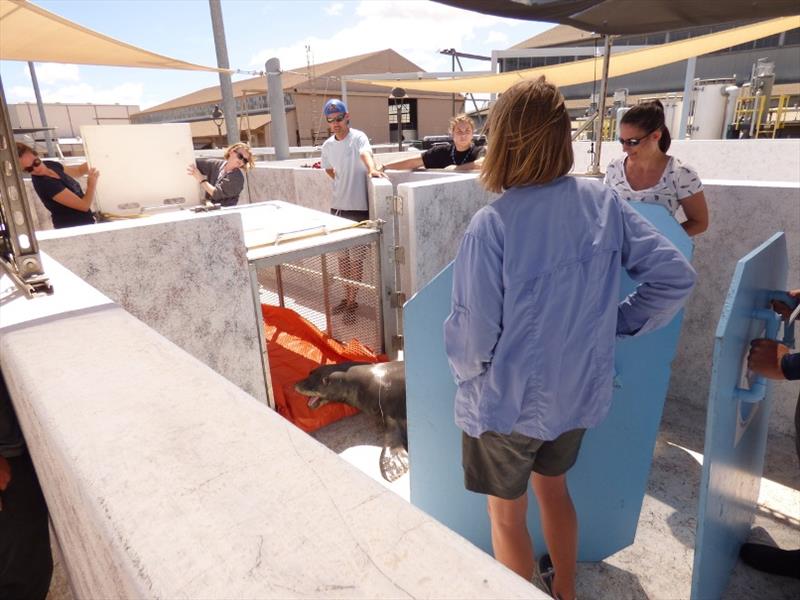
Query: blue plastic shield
x=608, y=481
x=737, y=419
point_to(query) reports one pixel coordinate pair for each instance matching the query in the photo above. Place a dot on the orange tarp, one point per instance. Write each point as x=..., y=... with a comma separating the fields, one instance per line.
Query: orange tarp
x=295, y=347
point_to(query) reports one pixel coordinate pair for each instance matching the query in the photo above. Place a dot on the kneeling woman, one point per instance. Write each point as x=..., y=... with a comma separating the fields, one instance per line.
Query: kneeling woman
x=223, y=180
x=60, y=193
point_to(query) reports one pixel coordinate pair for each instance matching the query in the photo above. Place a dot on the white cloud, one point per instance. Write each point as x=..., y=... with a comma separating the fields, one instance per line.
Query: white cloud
x=335, y=9
x=417, y=30
x=79, y=93
x=497, y=38
x=48, y=73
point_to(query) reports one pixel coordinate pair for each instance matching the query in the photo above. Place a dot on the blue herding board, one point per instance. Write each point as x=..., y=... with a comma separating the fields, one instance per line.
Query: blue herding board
x=737, y=421
x=608, y=481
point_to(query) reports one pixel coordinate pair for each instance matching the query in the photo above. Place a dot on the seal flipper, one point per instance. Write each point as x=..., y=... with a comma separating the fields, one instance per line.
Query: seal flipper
x=394, y=457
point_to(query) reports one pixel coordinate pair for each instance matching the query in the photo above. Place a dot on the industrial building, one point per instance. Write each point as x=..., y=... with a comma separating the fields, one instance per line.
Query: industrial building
x=305, y=91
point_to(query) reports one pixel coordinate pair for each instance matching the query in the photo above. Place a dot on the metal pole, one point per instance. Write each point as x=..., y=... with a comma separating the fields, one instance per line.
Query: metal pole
x=228, y=102
x=688, y=86
x=601, y=109
x=277, y=109
x=51, y=151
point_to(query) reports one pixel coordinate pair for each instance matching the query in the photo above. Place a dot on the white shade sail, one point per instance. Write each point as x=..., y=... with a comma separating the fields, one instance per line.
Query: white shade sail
x=30, y=33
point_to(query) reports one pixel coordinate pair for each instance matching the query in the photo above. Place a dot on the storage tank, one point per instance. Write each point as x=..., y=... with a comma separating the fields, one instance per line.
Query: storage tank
x=709, y=108
x=672, y=113
x=732, y=94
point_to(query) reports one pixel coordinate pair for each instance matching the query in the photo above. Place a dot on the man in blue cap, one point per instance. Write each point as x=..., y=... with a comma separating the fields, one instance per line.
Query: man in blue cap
x=347, y=159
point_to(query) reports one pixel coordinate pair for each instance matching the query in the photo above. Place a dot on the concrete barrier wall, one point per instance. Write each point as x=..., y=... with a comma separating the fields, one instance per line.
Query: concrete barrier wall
x=164, y=480
x=743, y=160
x=183, y=274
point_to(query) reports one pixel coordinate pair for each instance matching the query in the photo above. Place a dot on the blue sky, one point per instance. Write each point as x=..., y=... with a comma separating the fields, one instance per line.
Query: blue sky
x=255, y=31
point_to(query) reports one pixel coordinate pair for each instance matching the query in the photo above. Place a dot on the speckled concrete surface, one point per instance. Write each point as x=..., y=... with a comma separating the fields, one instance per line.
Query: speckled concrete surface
x=658, y=565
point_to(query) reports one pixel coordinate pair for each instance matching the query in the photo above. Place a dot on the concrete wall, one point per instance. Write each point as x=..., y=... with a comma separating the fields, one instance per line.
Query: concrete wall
x=743, y=215
x=164, y=480
x=742, y=160
x=184, y=275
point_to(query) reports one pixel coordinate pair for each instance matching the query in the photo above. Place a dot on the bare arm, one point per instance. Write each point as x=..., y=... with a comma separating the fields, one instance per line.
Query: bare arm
x=77, y=170
x=696, y=211
x=415, y=162
x=369, y=162
x=71, y=200
x=475, y=165
x=331, y=173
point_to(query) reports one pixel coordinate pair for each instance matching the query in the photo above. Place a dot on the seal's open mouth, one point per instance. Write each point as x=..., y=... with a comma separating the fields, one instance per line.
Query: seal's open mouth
x=315, y=402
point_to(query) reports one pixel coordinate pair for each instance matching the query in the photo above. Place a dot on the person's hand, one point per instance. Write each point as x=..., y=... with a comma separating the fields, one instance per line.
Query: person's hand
x=765, y=358
x=376, y=173
x=92, y=175
x=5, y=473
x=194, y=172
x=781, y=307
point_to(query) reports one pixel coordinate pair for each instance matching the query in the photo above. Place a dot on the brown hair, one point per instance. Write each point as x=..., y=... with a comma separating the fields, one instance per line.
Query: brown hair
x=249, y=163
x=649, y=117
x=528, y=137
x=23, y=148
x=462, y=118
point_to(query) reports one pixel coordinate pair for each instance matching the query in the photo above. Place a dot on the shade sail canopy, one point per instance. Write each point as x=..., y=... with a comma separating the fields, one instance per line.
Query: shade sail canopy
x=631, y=16
x=584, y=71
x=30, y=33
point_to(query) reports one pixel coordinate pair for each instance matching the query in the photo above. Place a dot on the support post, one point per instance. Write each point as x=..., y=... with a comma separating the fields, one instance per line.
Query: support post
x=277, y=109
x=51, y=151
x=228, y=102
x=688, y=87
x=601, y=109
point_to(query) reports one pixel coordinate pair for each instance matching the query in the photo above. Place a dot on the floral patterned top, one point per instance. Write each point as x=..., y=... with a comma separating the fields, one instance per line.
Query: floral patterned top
x=677, y=183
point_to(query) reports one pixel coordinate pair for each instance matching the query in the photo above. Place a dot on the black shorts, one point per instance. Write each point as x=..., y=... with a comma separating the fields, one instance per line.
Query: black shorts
x=501, y=465
x=352, y=215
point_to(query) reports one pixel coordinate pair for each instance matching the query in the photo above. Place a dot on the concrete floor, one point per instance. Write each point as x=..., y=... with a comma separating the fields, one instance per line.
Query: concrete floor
x=658, y=566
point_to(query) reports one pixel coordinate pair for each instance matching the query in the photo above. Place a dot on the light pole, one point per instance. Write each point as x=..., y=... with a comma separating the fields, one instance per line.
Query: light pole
x=397, y=94
x=217, y=117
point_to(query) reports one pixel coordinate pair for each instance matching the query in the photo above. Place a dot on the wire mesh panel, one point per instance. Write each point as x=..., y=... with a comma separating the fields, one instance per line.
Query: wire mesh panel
x=338, y=291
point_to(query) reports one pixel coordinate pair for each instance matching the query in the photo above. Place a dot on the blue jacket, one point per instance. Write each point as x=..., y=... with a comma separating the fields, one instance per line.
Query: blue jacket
x=535, y=309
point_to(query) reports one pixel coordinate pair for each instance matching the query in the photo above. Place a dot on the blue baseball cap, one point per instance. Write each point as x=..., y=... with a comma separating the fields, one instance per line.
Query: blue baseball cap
x=334, y=106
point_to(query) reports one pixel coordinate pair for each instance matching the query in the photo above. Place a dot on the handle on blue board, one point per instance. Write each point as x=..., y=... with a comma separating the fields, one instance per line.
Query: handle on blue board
x=794, y=305
x=758, y=388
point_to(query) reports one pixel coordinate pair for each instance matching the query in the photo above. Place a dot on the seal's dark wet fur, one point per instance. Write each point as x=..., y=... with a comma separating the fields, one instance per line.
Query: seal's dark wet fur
x=377, y=389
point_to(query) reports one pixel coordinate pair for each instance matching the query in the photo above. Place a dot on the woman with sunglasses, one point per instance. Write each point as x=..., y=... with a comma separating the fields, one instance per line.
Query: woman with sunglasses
x=222, y=180
x=648, y=174
x=57, y=188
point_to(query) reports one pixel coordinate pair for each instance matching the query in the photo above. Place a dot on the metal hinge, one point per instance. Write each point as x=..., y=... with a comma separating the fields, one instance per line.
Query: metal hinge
x=397, y=343
x=400, y=255
x=397, y=299
x=396, y=204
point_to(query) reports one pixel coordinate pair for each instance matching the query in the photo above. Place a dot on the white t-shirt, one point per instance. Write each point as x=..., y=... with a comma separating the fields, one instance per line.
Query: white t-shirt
x=350, y=183
x=677, y=183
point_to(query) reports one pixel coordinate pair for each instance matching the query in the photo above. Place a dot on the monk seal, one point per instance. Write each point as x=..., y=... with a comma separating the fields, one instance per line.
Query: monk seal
x=377, y=389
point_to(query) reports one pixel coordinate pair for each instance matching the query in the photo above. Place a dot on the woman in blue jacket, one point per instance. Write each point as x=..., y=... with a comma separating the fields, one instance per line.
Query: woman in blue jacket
x=535, y=314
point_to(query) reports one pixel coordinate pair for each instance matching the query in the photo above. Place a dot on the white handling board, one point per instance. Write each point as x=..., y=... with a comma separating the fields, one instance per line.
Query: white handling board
x=141, y=166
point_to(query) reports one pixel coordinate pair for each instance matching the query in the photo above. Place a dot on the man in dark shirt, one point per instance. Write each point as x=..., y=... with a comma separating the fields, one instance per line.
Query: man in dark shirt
x=26, y=564
x=461, y=154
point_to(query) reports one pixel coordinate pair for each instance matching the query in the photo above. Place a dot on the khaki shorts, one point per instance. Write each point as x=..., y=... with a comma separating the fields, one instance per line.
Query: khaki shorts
x=501, y=465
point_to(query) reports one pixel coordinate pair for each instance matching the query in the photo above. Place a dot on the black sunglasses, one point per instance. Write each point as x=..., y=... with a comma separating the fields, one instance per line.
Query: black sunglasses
x=632, y=142
x=337, y=119
x=242, y=157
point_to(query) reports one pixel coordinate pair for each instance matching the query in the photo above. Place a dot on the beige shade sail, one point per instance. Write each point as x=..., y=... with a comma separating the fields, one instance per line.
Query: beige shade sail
x=584, y=71
x=30, y=33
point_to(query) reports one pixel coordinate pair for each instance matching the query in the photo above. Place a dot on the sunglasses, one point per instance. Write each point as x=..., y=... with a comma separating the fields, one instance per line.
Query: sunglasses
x=633, y=142
x=337, y=119
x=242, y=157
